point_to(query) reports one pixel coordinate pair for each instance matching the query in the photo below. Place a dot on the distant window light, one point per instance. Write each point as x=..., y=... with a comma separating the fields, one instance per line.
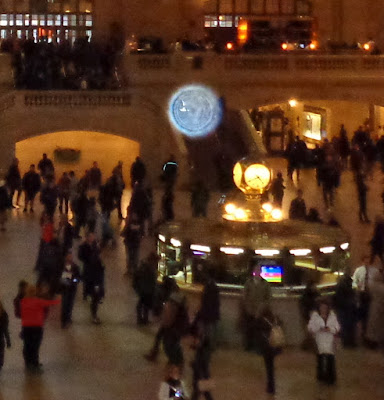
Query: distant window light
x=225, y=21
x=210, y=21
x=4, y=20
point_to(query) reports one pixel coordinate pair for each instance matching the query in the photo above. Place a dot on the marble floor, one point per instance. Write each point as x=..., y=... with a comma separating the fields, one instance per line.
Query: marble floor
x=88, y=362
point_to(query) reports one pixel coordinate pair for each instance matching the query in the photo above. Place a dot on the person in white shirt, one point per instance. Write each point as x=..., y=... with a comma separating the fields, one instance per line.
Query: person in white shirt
x=324, y=326
x=361, y=281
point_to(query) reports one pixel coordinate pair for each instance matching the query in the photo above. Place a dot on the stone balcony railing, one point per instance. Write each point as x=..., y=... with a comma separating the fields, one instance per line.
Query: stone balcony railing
x=240, y=68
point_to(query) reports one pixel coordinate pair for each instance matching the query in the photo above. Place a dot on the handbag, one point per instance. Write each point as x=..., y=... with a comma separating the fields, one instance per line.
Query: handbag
x=276, y=337
x=206, y=385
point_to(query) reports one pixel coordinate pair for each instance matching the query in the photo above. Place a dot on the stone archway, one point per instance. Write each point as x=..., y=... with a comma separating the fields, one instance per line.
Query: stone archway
x=87, y=147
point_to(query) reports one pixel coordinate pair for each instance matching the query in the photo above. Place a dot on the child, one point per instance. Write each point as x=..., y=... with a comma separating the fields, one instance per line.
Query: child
x=277, y=190
x=4, y=334
x=173, y=386
x=324, y=326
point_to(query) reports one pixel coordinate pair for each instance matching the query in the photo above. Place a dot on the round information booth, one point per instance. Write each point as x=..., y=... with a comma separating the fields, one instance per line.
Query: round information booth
x=290, y=253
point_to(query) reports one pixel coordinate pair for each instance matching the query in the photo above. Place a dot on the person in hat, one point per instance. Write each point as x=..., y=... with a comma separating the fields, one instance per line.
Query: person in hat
x=4, y=205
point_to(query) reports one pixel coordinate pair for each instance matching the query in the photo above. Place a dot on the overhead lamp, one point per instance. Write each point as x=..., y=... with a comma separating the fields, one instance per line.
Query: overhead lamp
x=175, y=242
x=267, y=252
x=162, y=238
x=344, y=246
x=232, y=250
x=328, y=249
x=199, y=247
x=300, y=252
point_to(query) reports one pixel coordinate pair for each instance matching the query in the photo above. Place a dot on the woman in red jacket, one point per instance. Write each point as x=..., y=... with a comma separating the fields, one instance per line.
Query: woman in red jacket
x=32, y=321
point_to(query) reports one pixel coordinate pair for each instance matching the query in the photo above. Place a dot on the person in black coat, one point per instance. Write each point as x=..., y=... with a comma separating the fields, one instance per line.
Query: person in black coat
x=70, y=278
x=65, y=234
x=144, y=283
x=80, y=208
x=298, y=209
x=138, y=171
x=48, y=197
x=346, y=310
x=377, y=241
x=46, y=167
x=362, y=190
x=31, y=185
x=13, y=179
x=132, y=234
x=93, y=274
x=4, y=334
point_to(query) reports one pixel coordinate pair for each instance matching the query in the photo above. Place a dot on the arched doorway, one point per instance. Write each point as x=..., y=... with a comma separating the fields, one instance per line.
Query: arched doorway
x=90, y=146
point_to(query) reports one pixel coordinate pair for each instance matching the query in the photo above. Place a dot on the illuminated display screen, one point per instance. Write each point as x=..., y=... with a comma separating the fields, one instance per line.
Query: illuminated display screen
x=195, y=110
x=272, y=273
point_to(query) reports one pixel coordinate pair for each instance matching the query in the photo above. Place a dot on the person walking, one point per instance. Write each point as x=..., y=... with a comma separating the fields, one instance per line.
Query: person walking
x=94, y=177
x=256, y=298
x=64, y=189
x=360, y=282
x=80, y=209
x=298, y=208
x=132, y=234
x=48, y=197
x=70, y=278
x=346, y=310
x=173, y=387
x=362, y=190
x=377, y=241
x=308, y=303
x=324, y=326
x=277, y=190
x=31, y=185
x=144, y=283
x=118, y=186
x=138, y=171
x=33, y=313
x=13, y=180
x=46, y=168
x=199, y=200
x=5, y=339
x=343, y=147
x=93, y=274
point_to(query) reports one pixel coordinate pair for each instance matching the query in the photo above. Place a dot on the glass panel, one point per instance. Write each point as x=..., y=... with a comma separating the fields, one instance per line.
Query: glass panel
x=19, y=20
x=3, y=33
x=225, y=21
x=42, y=20
x=88, y=33
x=26, y=19
x=50, y=19
x=287, y=6
x=11, y=20
x=210, y=21
x=257, y=6
x=65, y=20
x=72, y=20
x=58, y=20
x=4, y=20
x=19, y=33
x=226, y=7
x=272, y=7
x=88, y=20
x=81, y=20
x=34, y=20
x=210, y=6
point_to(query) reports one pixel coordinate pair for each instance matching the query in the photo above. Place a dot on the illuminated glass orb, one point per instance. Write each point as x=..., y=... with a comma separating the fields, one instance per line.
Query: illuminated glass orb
x=267, y=207
x=230, y=208
x=277, y=214
x=195, y=110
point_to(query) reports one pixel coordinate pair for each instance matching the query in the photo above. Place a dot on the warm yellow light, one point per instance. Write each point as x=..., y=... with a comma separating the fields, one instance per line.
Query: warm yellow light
x=312, y=46
x=87, y=11
x=175, y=242
x=284, y=46
x=229, y=46
x=232, y=250
x=366, y=46
x=67, y=11
x=242, y=32
x=237, y=174
x=267, y=207
x=257, y=176
x=240, y=213
x=230, y=208
x=292, y=102
x=277, y=214
x=328, y=249
x=221, y=18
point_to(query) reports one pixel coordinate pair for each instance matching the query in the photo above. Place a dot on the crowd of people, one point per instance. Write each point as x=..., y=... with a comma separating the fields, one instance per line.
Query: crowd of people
x=84, y=65
x=355, y=306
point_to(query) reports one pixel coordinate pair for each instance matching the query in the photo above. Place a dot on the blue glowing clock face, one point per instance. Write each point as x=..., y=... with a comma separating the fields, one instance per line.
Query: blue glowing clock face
x=195, y=110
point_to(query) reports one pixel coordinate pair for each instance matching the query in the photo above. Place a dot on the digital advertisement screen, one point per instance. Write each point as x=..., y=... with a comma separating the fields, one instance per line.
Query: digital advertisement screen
x=272, y=273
